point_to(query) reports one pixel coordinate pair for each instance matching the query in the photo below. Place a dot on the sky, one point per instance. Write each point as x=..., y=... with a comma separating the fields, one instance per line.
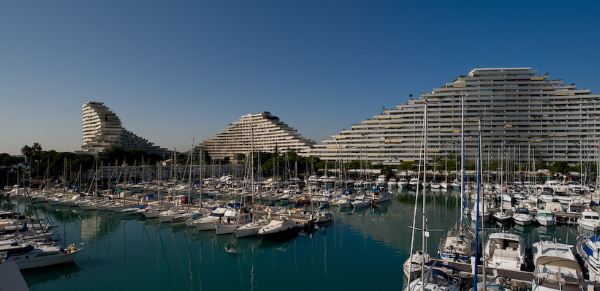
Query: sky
x=178, y=70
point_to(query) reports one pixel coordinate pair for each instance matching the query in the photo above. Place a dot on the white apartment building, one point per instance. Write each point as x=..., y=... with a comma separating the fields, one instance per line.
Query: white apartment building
x=525, y=116
x=102, y=129
x=262, y=130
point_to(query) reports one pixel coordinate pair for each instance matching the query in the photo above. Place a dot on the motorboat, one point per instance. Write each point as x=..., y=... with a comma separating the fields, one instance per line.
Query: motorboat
x=588, y=249
x=505, y=251
x=545, y=218
x=589, y=220
x=279, y=229
x=555, y=267
x=522, y=216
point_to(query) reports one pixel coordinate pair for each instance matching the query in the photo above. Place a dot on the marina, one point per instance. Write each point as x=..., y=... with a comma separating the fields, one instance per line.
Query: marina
x=299, y=145
x=114, y=233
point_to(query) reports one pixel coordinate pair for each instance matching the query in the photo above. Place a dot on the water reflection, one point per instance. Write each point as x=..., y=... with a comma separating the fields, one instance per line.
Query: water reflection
x=140, y=254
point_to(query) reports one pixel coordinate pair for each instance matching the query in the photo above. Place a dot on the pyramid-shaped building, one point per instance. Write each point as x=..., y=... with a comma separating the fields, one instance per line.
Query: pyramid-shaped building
x=524, y=117
x=263, y=131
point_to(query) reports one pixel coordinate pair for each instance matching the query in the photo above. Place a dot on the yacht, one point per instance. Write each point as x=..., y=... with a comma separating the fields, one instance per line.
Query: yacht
x=555, y=267
x=545, y=218
x=589, y=220
x=505, y=251
x=29, y=257
x=522, y=216
x=279, y=229
x=588, y=250
x=250, y=229
x=229, y=224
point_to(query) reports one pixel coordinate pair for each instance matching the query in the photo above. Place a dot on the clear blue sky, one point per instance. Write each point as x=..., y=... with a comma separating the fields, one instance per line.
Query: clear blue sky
x=173, y=70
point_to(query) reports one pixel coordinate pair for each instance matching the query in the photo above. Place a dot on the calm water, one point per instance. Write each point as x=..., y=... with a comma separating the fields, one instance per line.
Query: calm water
x=359, y=250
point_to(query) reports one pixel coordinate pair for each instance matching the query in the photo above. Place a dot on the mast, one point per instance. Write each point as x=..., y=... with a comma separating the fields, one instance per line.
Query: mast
x=190, y=174
x=477, y=208
x=252, y=162
x=463, y=201
x=424, y=232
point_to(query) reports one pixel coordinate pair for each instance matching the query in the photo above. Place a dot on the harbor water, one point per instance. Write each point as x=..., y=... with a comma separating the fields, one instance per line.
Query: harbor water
x=360, y=250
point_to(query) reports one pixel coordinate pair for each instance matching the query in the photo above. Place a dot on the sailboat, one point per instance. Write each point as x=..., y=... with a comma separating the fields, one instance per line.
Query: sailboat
x=431, y=278
x=29, y=256
x=502, y=216
x=457, y=245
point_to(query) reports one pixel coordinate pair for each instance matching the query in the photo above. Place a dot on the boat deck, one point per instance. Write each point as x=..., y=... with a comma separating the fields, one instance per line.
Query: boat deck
x=519, y=280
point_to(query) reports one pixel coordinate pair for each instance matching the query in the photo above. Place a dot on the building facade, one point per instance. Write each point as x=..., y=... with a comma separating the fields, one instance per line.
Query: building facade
x=103, y=129
x=263, y=131
x=524, y=117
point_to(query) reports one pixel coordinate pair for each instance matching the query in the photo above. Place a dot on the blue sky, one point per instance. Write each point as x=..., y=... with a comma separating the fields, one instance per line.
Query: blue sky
x=173, y=70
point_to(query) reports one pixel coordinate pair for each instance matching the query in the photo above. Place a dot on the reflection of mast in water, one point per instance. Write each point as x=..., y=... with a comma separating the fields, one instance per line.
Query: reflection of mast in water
x=124, y=242
x=325, y=255
x=252, y=274
x=200, y=265
x=157, y=249
x=189, y=255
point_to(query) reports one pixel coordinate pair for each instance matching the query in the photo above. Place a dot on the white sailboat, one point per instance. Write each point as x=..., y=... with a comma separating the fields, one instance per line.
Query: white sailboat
x=457, y=245
x=29, y=256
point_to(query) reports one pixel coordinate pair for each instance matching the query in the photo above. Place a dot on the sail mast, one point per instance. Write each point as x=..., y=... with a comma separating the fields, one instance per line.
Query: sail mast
x=477, y=207
x=424, y=232
x=462, y=163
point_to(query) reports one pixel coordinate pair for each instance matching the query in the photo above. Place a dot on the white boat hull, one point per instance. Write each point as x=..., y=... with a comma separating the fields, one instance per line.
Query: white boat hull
x=39, y=262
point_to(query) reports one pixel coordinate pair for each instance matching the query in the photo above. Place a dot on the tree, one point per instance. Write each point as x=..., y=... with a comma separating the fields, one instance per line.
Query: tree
x=27, y=152
x=559, y=167
x=406, y=165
